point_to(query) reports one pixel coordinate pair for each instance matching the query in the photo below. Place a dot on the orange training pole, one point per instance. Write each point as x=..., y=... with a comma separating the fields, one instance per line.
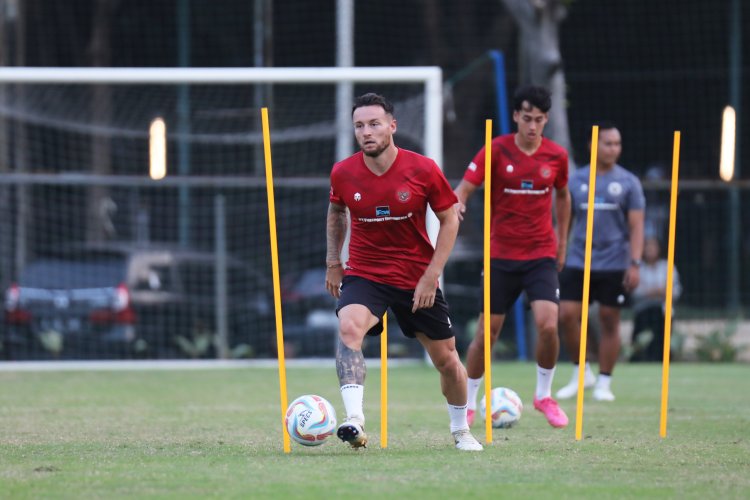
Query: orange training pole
x=586, y=280
x=275, y=268
x=486, y=303
x=670, y=272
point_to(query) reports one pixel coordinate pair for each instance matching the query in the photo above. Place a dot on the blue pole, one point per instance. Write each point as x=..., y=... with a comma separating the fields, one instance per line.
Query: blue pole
x=504, y=123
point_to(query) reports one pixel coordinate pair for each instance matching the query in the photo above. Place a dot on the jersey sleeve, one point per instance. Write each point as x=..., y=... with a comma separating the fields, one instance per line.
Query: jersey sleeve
x=441, y=195
x=562, y=171
x=636, y=198
x=333, y=195
x=475, y=171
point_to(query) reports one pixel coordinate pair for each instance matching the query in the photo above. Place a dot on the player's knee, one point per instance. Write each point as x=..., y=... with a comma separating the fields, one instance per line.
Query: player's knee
x=547, y=327
x=351, y=331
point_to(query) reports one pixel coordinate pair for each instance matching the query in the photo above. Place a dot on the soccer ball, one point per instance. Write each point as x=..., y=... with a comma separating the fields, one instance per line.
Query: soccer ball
x=506, y=407
x=310, y=420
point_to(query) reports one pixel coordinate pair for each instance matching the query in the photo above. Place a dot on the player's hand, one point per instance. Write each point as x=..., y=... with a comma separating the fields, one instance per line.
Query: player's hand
x=460, y=209
x=631, y=279
x=334, y=275
x=424, y=293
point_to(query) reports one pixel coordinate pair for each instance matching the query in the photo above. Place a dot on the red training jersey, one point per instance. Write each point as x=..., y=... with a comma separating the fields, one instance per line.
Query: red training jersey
x=389, y=242
x=521, y=226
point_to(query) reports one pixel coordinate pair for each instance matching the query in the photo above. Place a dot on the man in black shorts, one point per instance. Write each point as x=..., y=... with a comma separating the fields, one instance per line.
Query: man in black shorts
x=617, y=247
x=392, y=263
x=526, y=254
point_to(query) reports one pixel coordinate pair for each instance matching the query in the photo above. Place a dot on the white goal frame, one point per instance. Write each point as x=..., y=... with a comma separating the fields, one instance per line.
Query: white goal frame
x=430, y=76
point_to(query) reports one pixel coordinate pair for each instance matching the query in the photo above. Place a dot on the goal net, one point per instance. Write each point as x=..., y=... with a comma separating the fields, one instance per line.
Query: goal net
x=97, y=260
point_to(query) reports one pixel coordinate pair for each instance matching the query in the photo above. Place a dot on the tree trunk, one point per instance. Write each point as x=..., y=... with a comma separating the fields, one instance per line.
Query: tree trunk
x=99, y=204
x=541, y=62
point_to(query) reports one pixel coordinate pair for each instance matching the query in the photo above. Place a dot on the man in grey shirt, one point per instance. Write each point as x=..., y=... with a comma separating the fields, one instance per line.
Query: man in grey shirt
x=617, y=246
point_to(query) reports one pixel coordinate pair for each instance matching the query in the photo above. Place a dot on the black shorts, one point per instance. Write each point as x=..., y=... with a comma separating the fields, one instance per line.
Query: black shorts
x=434, y=322
x=605, y=287
x=508, y=278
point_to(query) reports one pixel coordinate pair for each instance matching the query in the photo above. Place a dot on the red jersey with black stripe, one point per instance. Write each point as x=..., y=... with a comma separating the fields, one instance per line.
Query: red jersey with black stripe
x=522, y=185
x=389, y=242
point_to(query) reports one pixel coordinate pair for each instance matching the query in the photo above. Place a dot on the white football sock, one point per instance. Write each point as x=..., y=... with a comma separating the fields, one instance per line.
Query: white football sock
x=472, y=387
x=353, y=395
x=603, y=381
x=458, y=417
x=544, y=378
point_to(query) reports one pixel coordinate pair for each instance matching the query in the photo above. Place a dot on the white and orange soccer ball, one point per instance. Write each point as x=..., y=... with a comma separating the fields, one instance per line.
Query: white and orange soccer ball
x=506, y=407
x=310, y=420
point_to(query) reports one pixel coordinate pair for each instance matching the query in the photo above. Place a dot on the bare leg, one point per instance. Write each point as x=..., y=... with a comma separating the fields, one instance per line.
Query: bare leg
x=475, y=353
x=609, y=345
x=570, y=322
x=548, y=343
x=452, y=373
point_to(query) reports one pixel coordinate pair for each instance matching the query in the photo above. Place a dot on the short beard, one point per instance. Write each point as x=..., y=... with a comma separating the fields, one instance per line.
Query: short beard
x=377, y=152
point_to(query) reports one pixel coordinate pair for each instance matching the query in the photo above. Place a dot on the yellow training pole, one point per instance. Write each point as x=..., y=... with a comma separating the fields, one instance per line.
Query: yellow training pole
x=586, y=280
x=384, y=383
x=486, y=303
x=275, y=269
x=670, y=271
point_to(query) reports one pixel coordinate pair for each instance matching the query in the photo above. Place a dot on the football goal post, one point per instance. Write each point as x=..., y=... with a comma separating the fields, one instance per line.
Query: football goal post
x=193, y=278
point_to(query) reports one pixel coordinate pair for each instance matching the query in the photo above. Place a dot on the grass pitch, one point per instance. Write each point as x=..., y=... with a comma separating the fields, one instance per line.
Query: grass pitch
x=217, y=434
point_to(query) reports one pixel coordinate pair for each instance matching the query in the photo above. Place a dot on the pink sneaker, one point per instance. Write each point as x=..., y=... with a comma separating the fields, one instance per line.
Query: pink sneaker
x=470, y=417
x=554, y=414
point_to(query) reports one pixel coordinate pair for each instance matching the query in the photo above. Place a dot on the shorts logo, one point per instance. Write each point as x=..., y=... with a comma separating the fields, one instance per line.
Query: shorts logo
x=545, y=172
x=557, y=293
x=403, y=196
x=382, y=211
x=525, y=184
x=357, y=196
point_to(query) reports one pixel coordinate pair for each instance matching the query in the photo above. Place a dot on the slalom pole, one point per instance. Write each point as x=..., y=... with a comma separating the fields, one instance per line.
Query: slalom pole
x=586, y=280
x=275, y=269
x=670, y=274
x=384, y=383
x=486, y=263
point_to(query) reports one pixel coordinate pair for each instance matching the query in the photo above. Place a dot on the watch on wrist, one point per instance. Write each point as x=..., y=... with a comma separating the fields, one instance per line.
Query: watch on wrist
x=635, y=262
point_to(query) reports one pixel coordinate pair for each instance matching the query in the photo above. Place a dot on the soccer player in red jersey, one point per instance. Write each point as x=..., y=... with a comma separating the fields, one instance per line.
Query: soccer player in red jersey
x=392, y=263
x=525, y=252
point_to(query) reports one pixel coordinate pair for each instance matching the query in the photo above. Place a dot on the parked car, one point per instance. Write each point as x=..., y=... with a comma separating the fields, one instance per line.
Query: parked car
x=115, y=300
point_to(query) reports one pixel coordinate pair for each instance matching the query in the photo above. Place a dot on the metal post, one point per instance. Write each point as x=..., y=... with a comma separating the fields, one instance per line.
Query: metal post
x=220, y=243
x=183, y=120
x=735, y=94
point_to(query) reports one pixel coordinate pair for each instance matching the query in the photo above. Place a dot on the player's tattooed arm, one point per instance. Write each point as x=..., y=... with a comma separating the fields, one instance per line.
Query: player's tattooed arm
x=336, y=225
x=350, y=365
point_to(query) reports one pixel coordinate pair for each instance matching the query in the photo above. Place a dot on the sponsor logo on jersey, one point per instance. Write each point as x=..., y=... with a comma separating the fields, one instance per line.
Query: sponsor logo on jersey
x=527, y=184
x=382, y=211
x=403, y=196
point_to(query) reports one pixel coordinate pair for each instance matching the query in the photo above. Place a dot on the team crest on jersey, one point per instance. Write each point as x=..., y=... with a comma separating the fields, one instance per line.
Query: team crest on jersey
x=614, y=188
x=382, y=211
x=526, y=184
x=403, y=196
x=545, y=172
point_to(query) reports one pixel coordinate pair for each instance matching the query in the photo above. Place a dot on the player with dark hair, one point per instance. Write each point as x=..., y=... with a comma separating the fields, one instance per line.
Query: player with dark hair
x=392, y=263
x=616, y=249
x=525, y=252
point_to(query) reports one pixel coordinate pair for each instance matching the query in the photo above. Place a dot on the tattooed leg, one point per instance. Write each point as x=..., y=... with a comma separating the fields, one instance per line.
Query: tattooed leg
x=350, y=365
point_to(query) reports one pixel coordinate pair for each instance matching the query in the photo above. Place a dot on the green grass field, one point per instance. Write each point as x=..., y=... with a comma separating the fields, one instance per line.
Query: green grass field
x=217, y=433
